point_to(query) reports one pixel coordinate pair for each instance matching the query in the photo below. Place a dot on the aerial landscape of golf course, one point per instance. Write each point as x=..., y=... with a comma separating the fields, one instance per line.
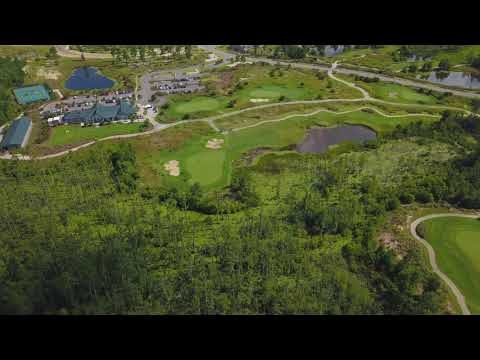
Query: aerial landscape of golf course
x=457, y=244
x=239, y=179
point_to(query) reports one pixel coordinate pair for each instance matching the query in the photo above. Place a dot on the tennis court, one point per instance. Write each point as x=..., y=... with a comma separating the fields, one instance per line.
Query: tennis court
x=31, y=94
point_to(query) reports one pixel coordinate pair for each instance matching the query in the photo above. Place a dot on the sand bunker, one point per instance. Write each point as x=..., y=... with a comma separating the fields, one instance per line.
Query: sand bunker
x=238, y=63
x=212, y=57
x=259, y=100
x=172, y=167
x=215, y=144
x=392, y=94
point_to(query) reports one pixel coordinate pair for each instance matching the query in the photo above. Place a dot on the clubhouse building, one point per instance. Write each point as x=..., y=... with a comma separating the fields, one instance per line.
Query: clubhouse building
x=99, y=113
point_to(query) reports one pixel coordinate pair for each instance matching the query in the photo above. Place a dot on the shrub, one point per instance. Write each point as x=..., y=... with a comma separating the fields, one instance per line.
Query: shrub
x=406, y=198
x=423, y=196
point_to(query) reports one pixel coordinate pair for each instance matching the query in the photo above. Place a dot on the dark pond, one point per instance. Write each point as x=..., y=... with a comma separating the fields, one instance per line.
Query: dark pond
x=415, y=57
x=455, y=78
x=319, y=139
x=87, y=78
x=331, y=50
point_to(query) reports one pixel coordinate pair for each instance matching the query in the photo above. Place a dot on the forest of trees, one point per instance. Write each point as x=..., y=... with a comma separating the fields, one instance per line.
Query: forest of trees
x=11, y=76
x=82, y=235
x=457, y=181
x=134, y=53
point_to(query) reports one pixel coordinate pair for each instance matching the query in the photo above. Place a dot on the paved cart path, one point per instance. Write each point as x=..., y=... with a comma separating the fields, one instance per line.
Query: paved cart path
x=433, y=262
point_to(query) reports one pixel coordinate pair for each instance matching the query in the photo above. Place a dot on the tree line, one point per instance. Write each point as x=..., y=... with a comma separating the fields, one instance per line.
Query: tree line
x=11, y=76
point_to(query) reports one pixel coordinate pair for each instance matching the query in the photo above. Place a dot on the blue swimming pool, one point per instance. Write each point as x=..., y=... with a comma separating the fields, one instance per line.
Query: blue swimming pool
x=88, y=78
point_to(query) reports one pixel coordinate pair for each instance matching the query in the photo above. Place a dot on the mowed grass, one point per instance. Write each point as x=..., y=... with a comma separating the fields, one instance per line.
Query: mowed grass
x=197, y=104
x=393, y=92
x=212, y=168
x=365, y=117
x=74, y=134
x=457, y=245
x=254, y=82
x=186, y=144
x=197, y=163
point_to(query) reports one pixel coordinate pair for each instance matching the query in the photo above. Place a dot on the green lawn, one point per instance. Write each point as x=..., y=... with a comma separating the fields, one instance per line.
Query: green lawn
x=457, y=244
x=197, y=162
x=254, y=82
x=198, y=104
x=212, y=168
x=74, y=134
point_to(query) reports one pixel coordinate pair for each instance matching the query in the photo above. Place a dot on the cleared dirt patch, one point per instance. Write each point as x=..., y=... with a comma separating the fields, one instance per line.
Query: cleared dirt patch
x=172, y=167
x=215, y=144
x=48, y=74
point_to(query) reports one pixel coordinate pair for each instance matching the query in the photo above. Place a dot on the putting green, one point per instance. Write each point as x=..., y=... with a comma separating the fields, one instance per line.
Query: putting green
x=196, y=105
x=457, y=245
x=197, y=163
x=206, y=167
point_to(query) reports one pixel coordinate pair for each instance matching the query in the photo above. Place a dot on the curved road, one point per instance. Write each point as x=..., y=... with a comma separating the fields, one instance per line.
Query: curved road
x=433, y=262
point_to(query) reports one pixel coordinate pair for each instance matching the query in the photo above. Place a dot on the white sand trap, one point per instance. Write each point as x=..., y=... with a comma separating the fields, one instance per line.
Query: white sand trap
x=243, y=79
x=239, y=63
x=259, y=100
x=392, y=94
x=172, y=167
x=212, y=57
x=215, y=144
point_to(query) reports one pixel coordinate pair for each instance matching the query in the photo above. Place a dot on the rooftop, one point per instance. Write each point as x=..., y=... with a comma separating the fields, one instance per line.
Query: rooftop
x=16, y=133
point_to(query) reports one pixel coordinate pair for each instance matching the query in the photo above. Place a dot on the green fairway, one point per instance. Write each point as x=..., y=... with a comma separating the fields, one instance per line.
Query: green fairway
x=74, y=134
x=197, y=163
x=274, y=91
x=197, y=104
x=457, y=245
x=238, y=89
x=395, y=93
x=206, y=166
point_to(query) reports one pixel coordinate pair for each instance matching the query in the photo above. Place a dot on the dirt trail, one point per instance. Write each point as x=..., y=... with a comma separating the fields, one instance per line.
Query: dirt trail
x=433, y=262
x=64, y=51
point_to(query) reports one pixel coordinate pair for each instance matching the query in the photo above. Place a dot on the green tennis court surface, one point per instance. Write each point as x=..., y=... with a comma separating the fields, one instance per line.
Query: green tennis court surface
x=31, y=94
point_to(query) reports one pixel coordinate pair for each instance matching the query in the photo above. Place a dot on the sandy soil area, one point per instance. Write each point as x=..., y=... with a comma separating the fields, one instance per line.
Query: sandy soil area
x=215, y=144
x=48, y=74
x=172, y=167
x=259, y=100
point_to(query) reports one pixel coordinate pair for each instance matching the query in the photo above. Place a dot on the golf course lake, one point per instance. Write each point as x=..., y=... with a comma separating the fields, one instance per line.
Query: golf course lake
x=319, y=139
x=331, y=50
x=455, y=78
x=88, y=78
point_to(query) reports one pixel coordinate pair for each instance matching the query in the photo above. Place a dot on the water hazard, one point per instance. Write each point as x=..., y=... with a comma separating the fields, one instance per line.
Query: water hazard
x=455, y=78
x=88, y=78
x=319, y=139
